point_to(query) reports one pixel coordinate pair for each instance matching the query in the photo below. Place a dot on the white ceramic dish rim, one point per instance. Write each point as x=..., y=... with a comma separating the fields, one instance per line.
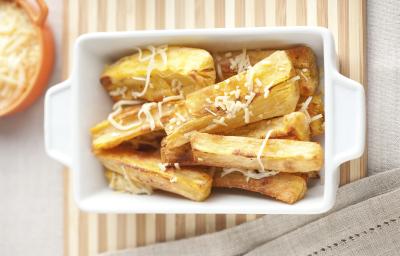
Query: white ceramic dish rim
x=344, y=122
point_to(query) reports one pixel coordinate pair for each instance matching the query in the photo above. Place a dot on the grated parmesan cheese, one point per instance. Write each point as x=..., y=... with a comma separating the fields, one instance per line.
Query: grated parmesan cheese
x=240, y=62
x=260, y=151
x=121, y=103
x=302, y=74
x=249, y=174
x=304, y=108
x=258, y=82
x=117, y=107
x=316, y=117
x=138, y=78
x=119, y=91
x=249, y=98
x=145, y=109
x=220, y=121
x=181, y=118
x=19, y=52
x=166, y=99
x=173, y=179
x=211, y=112
x=162, y=167
x=246, y=115
x=249, y=79
x=151, y=62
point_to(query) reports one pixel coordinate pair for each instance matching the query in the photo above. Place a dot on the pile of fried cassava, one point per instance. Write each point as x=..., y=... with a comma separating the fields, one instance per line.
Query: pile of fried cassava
x=187, y=121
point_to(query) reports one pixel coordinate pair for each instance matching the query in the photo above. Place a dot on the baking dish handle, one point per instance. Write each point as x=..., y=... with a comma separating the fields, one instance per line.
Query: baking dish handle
x=349, y=119
x=57, y=125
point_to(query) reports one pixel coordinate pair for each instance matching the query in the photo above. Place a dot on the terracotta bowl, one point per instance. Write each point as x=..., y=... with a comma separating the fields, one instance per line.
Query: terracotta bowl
x=38, y=84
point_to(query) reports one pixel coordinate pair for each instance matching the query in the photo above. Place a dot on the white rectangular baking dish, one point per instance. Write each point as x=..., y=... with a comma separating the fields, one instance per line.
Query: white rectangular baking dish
x=75, y=105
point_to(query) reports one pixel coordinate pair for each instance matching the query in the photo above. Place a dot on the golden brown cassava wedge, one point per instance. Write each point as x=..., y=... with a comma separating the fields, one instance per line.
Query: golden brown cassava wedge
x=241, y=152
x=269, y=72
x=183, y=70
x=302, y=57
x=105, y=135
x=291, y=126
x=122, y=183
x=281, y=100
x=316, y=107
x=146, y=167
x=286, y=187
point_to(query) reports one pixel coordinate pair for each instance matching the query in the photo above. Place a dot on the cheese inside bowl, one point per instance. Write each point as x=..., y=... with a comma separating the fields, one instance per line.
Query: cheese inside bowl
x=26, y=54
x=78, y=103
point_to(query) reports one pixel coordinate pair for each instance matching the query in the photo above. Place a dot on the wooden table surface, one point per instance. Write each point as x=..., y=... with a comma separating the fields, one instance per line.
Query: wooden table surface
x=89, y=234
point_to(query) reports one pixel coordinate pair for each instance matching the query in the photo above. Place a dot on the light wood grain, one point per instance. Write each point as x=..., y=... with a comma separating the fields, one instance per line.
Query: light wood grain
x=89, y=234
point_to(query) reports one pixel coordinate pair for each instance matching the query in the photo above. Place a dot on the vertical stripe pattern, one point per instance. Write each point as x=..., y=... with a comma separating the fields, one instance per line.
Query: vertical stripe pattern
x=90, y=234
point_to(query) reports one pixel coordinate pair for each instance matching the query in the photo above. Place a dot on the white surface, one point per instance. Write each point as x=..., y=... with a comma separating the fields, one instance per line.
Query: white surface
x=89, y=104
x=31, y=187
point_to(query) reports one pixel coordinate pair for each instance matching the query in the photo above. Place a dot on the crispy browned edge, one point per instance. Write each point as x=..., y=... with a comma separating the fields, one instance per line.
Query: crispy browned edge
x=286, y=187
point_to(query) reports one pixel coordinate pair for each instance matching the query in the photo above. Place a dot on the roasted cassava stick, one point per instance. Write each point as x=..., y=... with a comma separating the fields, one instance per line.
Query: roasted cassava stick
x=146, y=167
x=302, y=57
x=174, y=70
x=286, y=187
x=242, y=152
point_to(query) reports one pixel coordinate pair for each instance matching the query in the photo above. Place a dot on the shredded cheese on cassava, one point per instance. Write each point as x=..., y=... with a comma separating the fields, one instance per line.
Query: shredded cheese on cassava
x=145, y=109
x=151, y=65
x=260, y=151
x=304, y=108
x=240, y=62
x=166, y=99
x=162, y=167
x=117, y=107
x=302, y=74
x=121, y=103
x=119, y=91
x=180, y=117
x=19, y=52
x=249, y=174
x=220, y=121
x=211, y=112
x=316, y=117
